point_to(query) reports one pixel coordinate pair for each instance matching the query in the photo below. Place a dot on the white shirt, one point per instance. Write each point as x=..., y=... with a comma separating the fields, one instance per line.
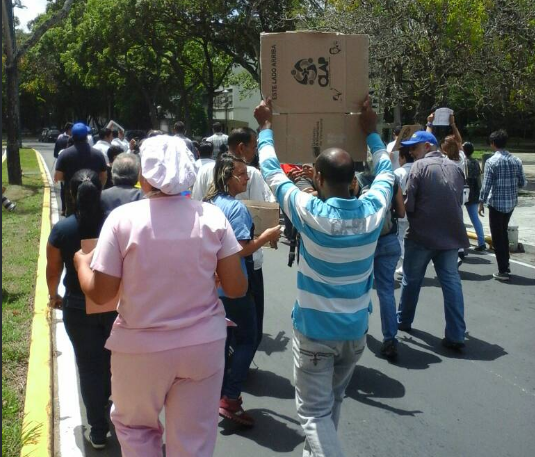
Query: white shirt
x=257, y=189
x=390, y=146
x=201, y=162
x=402, y=173
x=123, y=144
x=217, y=139
x=394, y=154
x=103, y=147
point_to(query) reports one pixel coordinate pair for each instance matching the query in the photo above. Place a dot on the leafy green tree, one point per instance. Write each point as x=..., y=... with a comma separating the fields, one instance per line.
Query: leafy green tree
x=13, y=55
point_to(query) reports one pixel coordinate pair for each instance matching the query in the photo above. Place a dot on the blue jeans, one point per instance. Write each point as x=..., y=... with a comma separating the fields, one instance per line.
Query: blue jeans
x=242, y=339
x=417, y=257
x=322, y=371
x=471, y=208
x=387, y=255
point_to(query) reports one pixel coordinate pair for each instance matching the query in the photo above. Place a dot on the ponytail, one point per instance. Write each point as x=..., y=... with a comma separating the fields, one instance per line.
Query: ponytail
x=86, y=189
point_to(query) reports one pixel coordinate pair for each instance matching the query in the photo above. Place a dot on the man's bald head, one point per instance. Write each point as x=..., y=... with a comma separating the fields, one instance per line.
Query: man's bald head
x=336, y=167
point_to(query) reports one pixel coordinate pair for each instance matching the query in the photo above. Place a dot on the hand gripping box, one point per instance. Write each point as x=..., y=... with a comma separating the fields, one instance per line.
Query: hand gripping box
x=265, y=214
x=317, y=82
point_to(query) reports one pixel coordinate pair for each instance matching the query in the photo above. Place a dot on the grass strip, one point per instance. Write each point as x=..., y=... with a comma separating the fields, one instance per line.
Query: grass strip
x=21, y=230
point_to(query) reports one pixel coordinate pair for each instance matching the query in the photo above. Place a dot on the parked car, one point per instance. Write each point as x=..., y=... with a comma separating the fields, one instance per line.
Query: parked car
x=52, y=135
x=42, y=136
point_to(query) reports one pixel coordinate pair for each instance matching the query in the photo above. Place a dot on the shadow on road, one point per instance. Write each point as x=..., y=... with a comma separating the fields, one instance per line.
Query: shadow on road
x=368, y=384
x=262, y=383
x=430, y=282
x=270, y=431
x=521, y=281
x=469, y=276
x=476, y=259
x=475, y=349
x=269, y=345
x=408, y=357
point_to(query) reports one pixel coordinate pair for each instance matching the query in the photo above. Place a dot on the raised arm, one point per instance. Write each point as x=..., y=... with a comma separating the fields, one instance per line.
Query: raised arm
x=381, y=189
x=293, y=201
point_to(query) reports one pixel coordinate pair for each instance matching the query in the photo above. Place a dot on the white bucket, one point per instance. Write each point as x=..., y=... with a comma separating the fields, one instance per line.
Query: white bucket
x=512, y=233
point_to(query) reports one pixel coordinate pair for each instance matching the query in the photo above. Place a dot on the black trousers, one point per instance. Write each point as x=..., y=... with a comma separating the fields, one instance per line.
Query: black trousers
x=88, y=334
x=256, y=282
x=499, y=223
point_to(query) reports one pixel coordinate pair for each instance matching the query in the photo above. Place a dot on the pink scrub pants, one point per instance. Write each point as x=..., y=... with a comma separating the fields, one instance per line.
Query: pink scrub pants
x=187, y=381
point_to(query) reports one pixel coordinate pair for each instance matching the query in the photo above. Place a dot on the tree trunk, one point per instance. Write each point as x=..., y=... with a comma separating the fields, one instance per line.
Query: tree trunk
x=12, y=75
x=210, y=109
x=14, y=171
x=13, y=133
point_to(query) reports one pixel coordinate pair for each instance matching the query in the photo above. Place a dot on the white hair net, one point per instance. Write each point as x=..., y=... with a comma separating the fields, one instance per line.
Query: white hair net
x=167, y=164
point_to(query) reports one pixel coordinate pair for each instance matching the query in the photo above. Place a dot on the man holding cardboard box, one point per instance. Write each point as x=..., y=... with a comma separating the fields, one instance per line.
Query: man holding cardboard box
x=338, y=239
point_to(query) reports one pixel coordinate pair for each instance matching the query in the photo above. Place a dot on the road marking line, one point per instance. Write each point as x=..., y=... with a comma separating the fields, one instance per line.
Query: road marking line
x=510, y=260
x=38, y=408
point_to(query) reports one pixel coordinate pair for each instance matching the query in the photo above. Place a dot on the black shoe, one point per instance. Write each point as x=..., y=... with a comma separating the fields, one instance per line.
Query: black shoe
x=502, y=276
x=455, y=345
x=405, y=327
x=481, y=248
x=389, y=349
x=97, y=441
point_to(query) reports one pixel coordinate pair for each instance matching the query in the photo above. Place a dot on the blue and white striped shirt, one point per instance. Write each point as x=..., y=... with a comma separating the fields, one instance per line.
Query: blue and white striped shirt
x=338, y=240
x=504, y=175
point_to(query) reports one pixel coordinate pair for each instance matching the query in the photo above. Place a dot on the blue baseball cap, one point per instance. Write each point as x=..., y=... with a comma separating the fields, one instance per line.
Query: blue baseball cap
x=421, y=136
x=80, y=130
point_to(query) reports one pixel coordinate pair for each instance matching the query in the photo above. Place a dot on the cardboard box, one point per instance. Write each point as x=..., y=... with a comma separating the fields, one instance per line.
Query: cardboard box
x=299, y=138
x=265, y=214
x=90, y=306
x=317, y=82
x=314, y=72
x=406, y=132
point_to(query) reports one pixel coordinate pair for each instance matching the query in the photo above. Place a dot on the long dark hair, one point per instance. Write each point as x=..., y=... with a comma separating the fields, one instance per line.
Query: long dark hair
x=85, y=190
x=223, y=169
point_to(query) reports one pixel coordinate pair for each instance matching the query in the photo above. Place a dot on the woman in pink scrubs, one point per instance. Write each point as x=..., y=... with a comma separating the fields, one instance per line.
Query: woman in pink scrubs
x=168, y=341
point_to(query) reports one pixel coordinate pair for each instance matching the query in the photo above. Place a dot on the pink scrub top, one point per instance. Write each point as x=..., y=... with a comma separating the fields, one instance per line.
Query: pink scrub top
x=165, y=250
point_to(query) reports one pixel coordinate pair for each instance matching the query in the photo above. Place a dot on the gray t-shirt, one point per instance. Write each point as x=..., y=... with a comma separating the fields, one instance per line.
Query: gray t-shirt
x=434, y=203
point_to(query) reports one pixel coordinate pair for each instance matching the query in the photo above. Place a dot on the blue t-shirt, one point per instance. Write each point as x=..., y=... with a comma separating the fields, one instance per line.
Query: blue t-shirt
x=240, y=220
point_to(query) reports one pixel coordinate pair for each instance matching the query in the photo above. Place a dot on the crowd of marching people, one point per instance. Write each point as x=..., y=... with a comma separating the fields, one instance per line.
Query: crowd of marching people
x=178, y=246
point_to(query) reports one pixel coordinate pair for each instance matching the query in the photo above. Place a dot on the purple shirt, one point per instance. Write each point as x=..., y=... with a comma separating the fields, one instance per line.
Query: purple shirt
x=434, y=203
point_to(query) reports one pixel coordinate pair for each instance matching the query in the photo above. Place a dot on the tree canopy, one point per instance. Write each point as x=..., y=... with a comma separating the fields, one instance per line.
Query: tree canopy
x=126, y=58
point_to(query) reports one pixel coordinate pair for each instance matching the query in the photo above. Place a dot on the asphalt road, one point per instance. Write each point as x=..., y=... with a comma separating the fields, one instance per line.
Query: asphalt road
x=431, y=402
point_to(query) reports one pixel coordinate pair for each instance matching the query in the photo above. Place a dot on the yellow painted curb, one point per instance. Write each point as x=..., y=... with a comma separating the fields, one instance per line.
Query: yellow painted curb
x=38, y=414
x=473, y=236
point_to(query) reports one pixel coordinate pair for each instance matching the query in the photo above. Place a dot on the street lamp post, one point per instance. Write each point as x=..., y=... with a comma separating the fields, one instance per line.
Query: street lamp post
x=226, y=92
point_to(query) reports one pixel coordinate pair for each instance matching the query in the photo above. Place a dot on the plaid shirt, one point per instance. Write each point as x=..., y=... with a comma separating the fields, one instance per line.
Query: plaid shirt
x=504, y=175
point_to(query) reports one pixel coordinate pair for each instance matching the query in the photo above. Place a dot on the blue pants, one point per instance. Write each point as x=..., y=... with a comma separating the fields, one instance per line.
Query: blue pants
x=384, y=266
x=242, y=339
x=417, y=257
x=471, y=208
